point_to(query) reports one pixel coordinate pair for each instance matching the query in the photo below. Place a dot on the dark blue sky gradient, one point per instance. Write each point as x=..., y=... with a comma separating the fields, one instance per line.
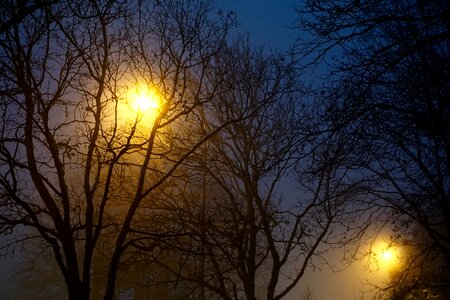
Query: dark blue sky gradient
x=266, y=21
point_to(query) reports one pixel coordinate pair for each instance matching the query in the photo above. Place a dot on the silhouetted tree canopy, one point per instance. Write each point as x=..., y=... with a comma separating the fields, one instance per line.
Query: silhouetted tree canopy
x=187, y=201
x=388, y=86
x=67, y=147
x=111, y=191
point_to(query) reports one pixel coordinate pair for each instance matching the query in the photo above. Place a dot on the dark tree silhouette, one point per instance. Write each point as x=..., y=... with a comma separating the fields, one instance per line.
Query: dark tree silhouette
x=12, y=15
x=190, y=196
x=74, y=168
x=388, y=88
x=230, y=230
x=420, y=274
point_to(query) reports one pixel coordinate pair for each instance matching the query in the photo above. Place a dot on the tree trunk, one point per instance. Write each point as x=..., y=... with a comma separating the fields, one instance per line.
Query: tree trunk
x=77, y=290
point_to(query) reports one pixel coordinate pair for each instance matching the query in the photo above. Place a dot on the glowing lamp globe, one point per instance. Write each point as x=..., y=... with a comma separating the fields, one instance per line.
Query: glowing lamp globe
x=144, y=102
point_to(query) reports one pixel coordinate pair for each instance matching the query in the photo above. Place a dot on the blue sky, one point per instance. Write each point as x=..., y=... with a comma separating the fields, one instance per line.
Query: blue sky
x=265, y=20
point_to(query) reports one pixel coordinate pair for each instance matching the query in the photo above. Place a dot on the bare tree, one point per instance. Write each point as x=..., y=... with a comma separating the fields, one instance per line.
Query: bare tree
x=74, y=167
x=389, y=89
x=233, y=233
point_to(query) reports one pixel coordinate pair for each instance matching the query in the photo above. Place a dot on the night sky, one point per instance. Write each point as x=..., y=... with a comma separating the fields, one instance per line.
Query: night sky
x=266, y=21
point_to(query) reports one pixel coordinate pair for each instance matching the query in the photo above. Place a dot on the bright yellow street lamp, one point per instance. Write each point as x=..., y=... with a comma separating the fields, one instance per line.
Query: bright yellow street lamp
x=385, y=256
x=143, y=102
x=139, y=106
